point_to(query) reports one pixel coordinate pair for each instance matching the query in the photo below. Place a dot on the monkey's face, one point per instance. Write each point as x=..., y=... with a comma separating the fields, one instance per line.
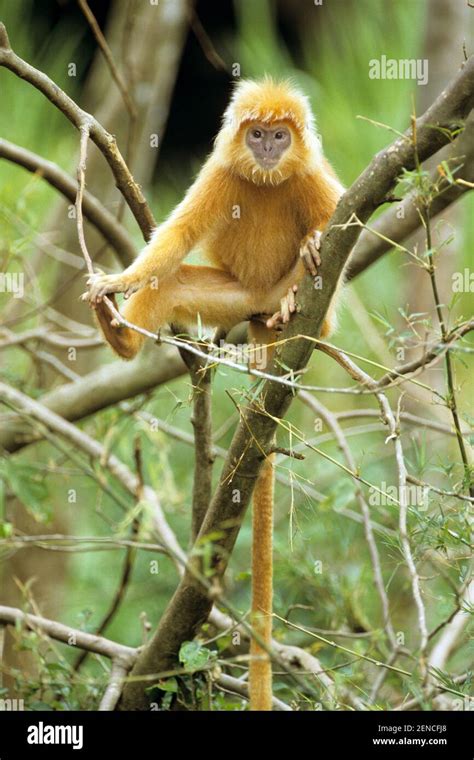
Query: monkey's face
x=268, y=143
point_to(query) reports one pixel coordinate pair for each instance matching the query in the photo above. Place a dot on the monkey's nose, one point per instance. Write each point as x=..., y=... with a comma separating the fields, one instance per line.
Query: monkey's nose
x=267, y=147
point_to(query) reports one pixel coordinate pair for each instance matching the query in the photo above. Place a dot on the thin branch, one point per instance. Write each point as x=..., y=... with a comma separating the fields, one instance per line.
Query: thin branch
x=453, y=631
x=389, y=418
x=429, y=357
x=45, y=334
x=200, y=372
x=111, y=230
x=119, y=80
x=64, y=542
x=400, y=221
x=114, y=688
x=451, y=400
x=107, y=53
x=206, y=43
x=413, y=419
x=81, y=181
x=287, y=380
x=332, y=422
x=106, y=142
x=98, y=452
x=66, y=634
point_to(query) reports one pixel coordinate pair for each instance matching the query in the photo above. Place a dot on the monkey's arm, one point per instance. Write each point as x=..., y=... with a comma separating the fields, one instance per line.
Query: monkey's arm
x=317, y=203
x=170, y=243
x=322, y=191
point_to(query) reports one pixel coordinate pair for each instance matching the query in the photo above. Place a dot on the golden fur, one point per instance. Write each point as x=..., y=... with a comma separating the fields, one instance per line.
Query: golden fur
x=248, y=221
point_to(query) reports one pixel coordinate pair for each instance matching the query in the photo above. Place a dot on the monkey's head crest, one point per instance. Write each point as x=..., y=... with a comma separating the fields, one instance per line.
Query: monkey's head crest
x=265, y=103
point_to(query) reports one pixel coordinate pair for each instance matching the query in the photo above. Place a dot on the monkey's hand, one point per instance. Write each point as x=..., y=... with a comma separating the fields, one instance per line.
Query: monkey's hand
x=101, y=285
x=287, y=308
x=309, y=251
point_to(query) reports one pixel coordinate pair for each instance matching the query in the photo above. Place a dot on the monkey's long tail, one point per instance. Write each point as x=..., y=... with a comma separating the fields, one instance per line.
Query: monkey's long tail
x=260, y=671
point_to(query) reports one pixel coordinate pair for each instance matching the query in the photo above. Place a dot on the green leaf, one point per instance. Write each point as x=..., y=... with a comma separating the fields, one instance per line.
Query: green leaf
x=29, y=487
x=168, y=684
x=193, y=656
x=6, y=529
x=57, y=667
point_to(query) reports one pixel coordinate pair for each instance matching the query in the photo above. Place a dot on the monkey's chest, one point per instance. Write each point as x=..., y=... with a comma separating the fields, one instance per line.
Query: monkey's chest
x=258, y=243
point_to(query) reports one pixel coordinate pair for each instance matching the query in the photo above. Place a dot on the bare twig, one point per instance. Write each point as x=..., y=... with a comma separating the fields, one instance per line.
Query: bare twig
x=114, y=688
x=80, y=439
x=81, y=180
x=451, y=400
x=119, y=80
x=107, y=53
x=332, y=422
x=111, y=230
x=453, y=631
x=81, y=119
x=200, y=372
x=206, y=43
x=96, y=644
x=387, y=415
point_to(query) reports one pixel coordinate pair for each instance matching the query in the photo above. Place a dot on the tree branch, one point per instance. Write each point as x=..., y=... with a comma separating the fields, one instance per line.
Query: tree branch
x=201, y=379
x=65, y=633
x=402, y=219
x=97, y=390
x=106, y=142
x=111, y=229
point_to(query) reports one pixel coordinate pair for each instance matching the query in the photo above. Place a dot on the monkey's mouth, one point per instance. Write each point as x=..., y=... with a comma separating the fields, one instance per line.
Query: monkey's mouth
x=268, y=162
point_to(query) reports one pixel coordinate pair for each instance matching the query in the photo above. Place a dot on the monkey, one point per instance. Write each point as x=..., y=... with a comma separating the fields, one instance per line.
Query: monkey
x=264, y=194
x=257, y=209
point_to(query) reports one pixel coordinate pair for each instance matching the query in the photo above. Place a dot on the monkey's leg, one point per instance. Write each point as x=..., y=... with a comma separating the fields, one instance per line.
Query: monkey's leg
x=139, y=310
x=210, y=294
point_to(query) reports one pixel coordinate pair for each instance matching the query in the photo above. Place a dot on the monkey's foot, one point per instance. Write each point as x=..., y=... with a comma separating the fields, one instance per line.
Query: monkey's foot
x=101, y=285
x=309, y=251
x=287, y=308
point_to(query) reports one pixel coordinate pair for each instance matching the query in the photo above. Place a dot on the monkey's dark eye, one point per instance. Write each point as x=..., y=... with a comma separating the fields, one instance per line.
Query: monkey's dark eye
x=256, y=133
x=279, y=135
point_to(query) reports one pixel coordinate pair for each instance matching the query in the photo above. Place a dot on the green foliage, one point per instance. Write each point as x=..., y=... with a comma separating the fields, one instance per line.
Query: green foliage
x=29, y=487
x=193, y=656
x=51, y=684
